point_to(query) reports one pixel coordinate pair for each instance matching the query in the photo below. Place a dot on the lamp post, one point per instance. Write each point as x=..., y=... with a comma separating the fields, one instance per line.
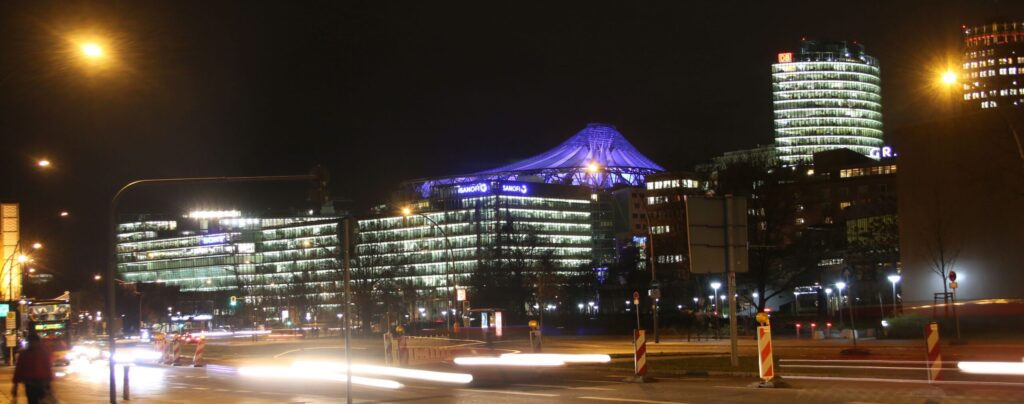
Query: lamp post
x=893, y=279
x=715, y=285
x=447, y=262
x=839, y=307
x=828, y=301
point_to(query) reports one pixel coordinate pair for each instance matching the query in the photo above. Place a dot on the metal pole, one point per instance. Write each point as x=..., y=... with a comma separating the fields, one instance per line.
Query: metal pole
x=894, y=299
x=955, y=315
x=348, y=314
x=654, y=273
x=112, y=226
x=733, y=334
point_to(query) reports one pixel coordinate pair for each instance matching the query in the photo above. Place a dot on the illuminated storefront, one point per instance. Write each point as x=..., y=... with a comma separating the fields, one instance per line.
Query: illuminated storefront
x=826, y=96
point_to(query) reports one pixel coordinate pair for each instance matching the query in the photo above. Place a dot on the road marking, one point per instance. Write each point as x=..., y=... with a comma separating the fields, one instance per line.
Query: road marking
x=517, y=393
x=242, y=391
x=543, y=386
x=912, y=381
x=596, y=381
x=852, y=367
x=630, y=400
x=200, y=388
x=858, y=361
x=221, y=390
x=592, y=388
x=750, y=388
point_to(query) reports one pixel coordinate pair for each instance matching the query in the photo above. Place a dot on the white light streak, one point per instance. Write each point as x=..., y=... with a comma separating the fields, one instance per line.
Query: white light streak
x=992, y=368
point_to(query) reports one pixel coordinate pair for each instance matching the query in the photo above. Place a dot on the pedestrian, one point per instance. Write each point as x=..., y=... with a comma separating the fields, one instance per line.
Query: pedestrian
x=35, y=370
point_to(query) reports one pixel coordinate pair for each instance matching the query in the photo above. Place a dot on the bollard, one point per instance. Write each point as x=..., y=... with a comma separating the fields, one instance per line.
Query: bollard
x=176, y=352
x=639, y=358
x=765, y=363
x=931, y=336
x=798, y=325
x=197, y=359
x=126, y=393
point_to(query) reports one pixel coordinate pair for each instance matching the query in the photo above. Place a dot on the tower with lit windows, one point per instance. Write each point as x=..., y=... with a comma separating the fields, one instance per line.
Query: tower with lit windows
x=993, y=65
x=826, y=96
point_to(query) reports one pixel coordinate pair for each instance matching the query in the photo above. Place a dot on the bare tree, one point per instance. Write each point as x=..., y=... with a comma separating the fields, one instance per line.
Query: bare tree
x=941, y=248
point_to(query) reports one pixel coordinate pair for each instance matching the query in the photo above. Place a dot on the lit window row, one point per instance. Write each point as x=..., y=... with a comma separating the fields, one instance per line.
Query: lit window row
x=677, y=183
x=873, y=170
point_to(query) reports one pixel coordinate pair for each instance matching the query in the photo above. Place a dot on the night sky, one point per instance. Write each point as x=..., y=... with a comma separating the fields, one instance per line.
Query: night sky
x=386, y=91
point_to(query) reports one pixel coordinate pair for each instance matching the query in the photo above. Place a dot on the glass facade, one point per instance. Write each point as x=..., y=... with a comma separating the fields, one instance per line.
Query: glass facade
x=454, y=231
x=827, y=96
x=269, y=262
x=993, y=65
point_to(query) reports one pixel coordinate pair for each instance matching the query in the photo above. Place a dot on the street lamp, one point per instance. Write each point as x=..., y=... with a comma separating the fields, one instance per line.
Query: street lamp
x=948, y=78
x=828, y=301
x=894, y=279
x=715, y=286
x=407, y=211
x=840, y=286
x=37, y=245
x=44, y=163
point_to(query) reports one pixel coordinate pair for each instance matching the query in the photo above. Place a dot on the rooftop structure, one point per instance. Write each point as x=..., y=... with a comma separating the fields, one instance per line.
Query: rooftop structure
x=597, y=156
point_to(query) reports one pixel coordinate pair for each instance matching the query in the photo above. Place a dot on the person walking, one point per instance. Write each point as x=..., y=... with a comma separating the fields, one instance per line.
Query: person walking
x=35, y=370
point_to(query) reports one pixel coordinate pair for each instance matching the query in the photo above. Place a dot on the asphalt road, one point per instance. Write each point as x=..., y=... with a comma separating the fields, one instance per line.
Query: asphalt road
x=221, y=385
x=815, y=370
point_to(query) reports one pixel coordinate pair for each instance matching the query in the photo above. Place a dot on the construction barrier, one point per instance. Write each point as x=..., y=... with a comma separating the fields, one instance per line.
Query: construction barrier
x=766, y=365
x=934, y=358
x=175, y=351
x=639, y=353
x=197, y=358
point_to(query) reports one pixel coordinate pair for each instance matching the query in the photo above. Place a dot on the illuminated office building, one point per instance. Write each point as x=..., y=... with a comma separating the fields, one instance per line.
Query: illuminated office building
x=468, y=225
x=274, y=263
x=993, y=65
x=826, y=96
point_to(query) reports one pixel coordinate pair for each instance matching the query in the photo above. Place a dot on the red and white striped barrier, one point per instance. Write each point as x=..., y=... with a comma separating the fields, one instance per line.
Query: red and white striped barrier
x=934, y=358
x=765, y=364
x=175, y=352
x=197, y=358
x=639, y=353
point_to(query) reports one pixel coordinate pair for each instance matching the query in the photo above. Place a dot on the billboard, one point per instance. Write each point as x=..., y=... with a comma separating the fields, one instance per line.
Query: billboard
x=706, y=230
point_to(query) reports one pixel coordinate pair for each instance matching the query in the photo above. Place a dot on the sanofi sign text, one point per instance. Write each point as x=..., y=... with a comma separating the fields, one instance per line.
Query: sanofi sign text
x=479, y=188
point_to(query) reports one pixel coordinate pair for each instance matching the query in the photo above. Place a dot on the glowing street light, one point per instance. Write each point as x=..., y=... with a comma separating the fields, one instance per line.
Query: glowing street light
x=22, y=259
x=44, y=163
x=64, y=213
x=97, y=277
x=37, y=245
x=406, y=211
x=593, y=167
x=92, y=50
x=894, y=279
x=949, y=78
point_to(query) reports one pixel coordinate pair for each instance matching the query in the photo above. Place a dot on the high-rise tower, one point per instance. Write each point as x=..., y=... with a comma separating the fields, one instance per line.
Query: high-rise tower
x=826, y=96
x=993, y=65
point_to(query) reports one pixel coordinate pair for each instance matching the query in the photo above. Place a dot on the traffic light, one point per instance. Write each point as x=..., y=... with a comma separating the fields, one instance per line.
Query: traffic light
x=234, y=301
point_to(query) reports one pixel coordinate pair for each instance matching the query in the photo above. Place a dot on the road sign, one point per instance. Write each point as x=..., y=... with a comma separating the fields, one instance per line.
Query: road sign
x=952, y=276
x=4, y=308
x=706, y=229
x=636, y=297
x=934, y=357
x=12, y=322
x=460, y=294
x=953, y=285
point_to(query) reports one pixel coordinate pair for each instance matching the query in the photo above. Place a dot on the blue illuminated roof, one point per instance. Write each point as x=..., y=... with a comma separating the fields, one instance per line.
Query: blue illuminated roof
x=597, y=143
x=617, y=162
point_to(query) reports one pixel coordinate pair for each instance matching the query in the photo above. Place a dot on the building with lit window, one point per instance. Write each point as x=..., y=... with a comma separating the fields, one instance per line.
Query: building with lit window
x=993, y=65
x=826, y=96
x=443, y=239
x=557, y=204
x=278, y=264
